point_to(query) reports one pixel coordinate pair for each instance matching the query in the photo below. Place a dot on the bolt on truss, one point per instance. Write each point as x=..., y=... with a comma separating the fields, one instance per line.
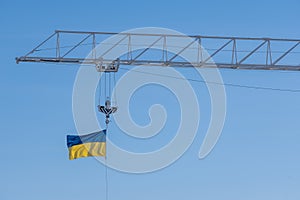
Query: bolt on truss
x=167, y=50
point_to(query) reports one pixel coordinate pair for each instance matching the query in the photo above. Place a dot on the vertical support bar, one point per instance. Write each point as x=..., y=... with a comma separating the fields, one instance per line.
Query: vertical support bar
x=267, y=52
x=270, y=52
x=57, y=45
x=129, y=54
x=94, y=47
x=234, y=59
x=200, y=53
x=201, y=56
x=165, y=51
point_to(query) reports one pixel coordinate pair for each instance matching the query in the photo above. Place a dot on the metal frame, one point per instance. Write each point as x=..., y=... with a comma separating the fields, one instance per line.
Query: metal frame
x=228, y=42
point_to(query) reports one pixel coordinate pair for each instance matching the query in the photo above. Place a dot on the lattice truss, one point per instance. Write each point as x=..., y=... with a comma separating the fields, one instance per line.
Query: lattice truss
x=76, y=47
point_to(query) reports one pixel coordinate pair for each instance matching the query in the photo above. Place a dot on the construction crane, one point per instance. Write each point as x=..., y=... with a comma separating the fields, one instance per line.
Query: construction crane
x=107, y=51
x=140, y=49
x=227, y=52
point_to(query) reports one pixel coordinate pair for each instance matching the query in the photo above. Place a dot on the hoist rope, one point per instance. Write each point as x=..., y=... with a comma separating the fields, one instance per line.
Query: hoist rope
x=106, y=168
x=99, y=89
x=109, y=85
x=115, y=90
x=217, y=83
x=105, y=93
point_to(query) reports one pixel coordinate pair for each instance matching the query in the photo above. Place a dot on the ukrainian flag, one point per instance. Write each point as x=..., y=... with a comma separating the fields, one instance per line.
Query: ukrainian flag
x=93, y=144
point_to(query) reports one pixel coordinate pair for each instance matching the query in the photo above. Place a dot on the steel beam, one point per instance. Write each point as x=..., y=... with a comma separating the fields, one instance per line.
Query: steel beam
x=134, y=58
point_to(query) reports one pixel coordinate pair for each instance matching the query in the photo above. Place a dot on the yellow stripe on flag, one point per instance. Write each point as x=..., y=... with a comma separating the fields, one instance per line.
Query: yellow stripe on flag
x=87, y=149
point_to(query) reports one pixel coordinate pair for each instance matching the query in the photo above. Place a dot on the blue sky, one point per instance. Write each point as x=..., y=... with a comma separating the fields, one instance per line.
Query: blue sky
x=257, y=156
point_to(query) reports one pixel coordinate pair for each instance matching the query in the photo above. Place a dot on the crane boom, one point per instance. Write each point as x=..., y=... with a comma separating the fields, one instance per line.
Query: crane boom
x=227, y=52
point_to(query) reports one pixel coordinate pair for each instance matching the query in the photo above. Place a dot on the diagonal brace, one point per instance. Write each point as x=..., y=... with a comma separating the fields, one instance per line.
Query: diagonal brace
x=182, y=50
x=114, y=45
x=134, y=59
x=84, y=39
x=220, y=49
x=286, y=53
x=252, y=52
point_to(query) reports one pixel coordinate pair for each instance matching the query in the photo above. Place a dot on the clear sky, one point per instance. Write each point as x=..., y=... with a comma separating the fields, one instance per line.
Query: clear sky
x=257, y=156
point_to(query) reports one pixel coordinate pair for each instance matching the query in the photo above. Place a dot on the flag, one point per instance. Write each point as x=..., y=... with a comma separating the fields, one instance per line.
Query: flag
x=93, y=144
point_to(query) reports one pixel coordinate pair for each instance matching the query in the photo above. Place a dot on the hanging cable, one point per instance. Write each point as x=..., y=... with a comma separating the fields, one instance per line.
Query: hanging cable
x=106, y=168
x=99, y=89
x=109, y=90
x=106, y=179
x=105, y=94
x=115, y=90
x=217, y=83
